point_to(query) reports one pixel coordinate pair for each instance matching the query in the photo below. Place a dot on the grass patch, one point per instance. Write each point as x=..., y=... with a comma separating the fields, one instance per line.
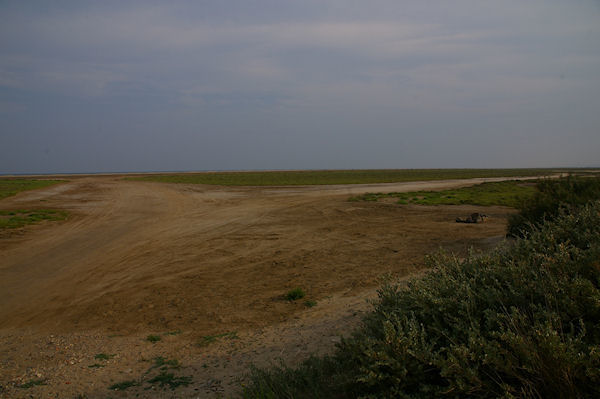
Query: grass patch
x=209, y=339
x=9, y=187
x=310, y=303
x=153, y=338
x=123, y=385
x=318, y=177
x=96, y=366
x=294, y=294
x=165, y=379
x=176, y=332
x=103, y=356
x=32, y=383
x=506, y=193
x=18, y=218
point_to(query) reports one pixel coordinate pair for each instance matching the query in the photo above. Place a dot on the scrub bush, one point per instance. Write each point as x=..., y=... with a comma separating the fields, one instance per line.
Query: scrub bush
x=552, y=196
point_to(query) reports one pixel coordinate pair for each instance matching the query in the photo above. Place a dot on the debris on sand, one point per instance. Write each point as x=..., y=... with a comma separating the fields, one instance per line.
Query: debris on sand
x=474, y=218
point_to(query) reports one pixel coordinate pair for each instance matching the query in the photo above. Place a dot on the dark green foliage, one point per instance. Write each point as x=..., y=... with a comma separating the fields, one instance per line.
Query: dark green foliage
x=309, y=177
x=506, y=193
x=294, y=294
x=553, y=195
x=522, y=321
x=10, y=187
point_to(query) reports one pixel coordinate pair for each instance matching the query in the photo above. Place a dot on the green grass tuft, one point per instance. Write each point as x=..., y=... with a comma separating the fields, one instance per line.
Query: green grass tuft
x=295, y=294
x=309, y=303
x=153, y=338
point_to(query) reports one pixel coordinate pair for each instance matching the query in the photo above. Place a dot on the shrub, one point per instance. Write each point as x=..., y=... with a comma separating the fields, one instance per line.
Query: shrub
x=153, y=338
x=294, y=294
x=553, y=195
x=309, y=303
x=521, y=321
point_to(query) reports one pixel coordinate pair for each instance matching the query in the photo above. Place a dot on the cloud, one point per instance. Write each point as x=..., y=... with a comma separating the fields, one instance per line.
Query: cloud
x=280, y=68
x=152, y=46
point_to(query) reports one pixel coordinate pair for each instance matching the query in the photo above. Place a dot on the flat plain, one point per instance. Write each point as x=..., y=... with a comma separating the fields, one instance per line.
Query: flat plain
x=194, y=273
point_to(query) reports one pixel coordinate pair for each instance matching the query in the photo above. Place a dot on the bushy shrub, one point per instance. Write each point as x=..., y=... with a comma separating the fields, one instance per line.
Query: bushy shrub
x=552, y=195
x=522, y=321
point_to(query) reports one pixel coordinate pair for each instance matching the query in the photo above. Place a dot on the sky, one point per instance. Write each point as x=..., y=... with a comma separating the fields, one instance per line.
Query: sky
x=90, y=86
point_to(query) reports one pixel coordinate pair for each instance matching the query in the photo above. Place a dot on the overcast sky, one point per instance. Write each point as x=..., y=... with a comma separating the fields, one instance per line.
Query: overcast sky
x=218, y=85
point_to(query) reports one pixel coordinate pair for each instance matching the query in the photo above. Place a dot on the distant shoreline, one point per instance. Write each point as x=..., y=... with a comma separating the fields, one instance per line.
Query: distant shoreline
x=191, y=172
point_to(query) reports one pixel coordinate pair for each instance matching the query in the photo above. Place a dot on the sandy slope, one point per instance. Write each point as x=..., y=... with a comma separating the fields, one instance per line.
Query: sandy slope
x=136, y=258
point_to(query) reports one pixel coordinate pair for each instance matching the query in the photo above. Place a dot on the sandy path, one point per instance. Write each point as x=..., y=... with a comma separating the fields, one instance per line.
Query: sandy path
x=136, y=258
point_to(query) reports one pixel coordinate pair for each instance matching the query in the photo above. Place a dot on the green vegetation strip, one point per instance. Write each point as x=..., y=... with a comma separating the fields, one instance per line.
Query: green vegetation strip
x=291, y=178
x=10, y=187
x=21, y=217
x=507, y=193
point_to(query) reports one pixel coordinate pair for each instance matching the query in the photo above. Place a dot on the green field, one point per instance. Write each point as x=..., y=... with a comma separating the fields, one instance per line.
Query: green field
x=9, y=187
x=22, y=217
x=507, y=193
x=295, y=178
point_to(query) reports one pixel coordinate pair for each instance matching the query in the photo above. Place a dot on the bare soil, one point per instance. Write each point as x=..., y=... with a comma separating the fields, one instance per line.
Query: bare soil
x=138, y=258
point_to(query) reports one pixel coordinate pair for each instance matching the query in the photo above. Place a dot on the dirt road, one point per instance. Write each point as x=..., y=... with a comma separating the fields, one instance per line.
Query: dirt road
x=137, y=258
